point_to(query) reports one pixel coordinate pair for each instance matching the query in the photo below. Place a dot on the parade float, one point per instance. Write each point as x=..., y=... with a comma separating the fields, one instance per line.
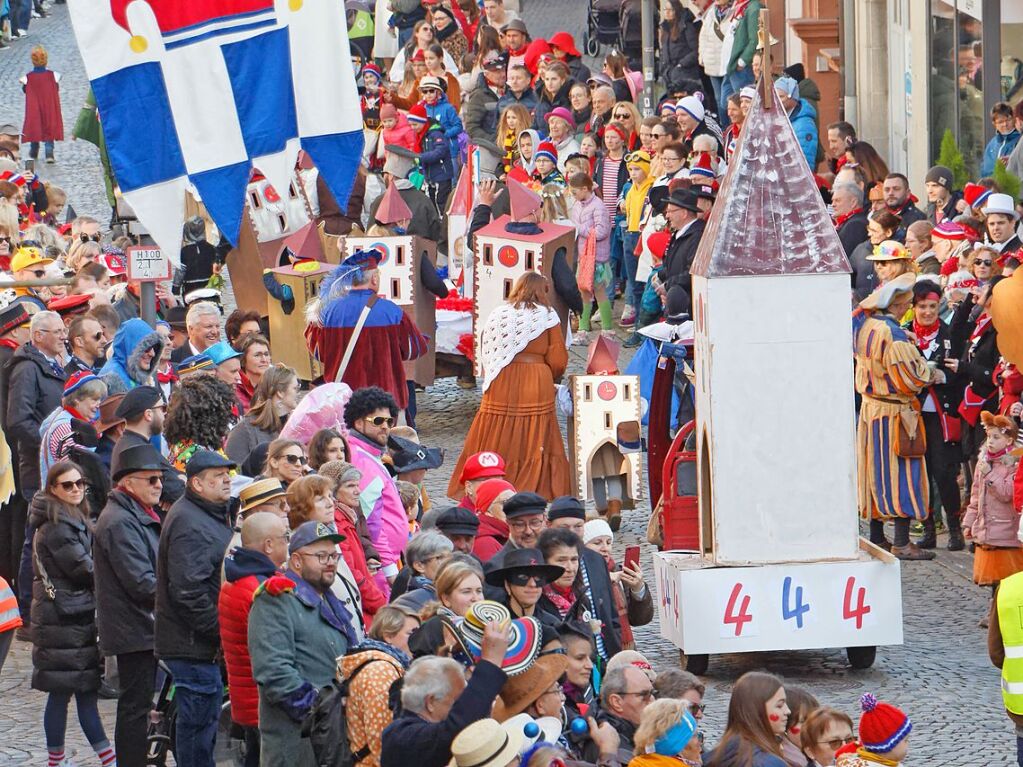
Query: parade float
x=779, y=563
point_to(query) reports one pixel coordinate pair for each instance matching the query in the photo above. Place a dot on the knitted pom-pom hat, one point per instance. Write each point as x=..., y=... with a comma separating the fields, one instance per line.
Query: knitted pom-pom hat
x=882, y=725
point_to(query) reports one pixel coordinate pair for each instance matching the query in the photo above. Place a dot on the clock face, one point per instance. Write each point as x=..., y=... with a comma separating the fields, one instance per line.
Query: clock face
x=508, y=256
x=384, y=250
x=607, y=391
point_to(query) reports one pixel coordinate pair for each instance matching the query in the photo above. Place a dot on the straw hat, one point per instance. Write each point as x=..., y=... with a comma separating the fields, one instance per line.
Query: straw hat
x=524, y=640
x=485, y=744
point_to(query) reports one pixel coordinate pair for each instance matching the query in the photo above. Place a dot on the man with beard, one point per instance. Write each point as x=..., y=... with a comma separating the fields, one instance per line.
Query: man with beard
x=901, y=202
x=143, y=410
x=297, y=630
x=87, y=344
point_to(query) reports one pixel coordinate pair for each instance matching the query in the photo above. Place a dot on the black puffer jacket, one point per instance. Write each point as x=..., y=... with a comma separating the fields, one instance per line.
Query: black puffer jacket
x=65, y=653
x=679, y=60
x=545, y=103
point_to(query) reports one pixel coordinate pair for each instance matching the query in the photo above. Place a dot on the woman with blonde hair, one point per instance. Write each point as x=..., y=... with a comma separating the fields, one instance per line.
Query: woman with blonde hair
x=523, y=353
x=667, y=736
x=514, y=120
x=459, y=585
x=274, y=399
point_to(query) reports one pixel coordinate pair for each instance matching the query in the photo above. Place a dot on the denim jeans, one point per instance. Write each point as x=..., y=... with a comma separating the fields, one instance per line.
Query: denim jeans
x=617, y=265
x=718, y=84
x=21, y=14
x=199, y=693
x=633, y=288
x=33, y=149
x=55, y=718
x=735, y=82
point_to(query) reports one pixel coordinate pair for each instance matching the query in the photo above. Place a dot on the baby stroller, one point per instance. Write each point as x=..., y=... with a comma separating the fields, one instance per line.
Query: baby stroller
x=630, y=31
x=602, y=25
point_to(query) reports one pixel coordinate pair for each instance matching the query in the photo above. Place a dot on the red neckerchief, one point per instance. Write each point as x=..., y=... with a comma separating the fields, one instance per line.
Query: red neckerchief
x=563, y=599
x=739, y=9
x=169, y=377
x=518, y=51
x=912, y=200
x=75, y=414
x=925, y=333
x=982, y=323
x=846, y=216
x=145, y=507
x=10, y=343
x=992, y=457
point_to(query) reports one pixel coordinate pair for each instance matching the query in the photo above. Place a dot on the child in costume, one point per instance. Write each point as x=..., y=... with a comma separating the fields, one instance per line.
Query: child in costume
x=43, y=121
x=884, y=736
x=991, y=520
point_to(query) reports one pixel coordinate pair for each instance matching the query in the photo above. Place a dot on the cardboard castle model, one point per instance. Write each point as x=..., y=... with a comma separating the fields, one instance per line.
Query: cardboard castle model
x=780, y=565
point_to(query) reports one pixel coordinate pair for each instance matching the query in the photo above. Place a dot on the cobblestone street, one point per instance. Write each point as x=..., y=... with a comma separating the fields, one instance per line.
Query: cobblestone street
x=941, y=676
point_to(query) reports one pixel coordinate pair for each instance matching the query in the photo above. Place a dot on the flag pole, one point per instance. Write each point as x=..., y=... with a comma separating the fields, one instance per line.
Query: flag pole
x=766, y=65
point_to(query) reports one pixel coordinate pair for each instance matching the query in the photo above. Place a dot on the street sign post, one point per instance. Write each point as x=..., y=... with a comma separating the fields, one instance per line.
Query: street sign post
x=148, y=265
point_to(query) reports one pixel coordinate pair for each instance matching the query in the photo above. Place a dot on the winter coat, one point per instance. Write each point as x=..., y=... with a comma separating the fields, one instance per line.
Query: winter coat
x=525, y=99
x=425, y=219
x=545, y=103
x=678, y=259
x=123, y=370
x=435, y=157
x=712, y=35
x=192, y=545
x=948, y=395
x=853, y=231
x=804, y=124
x=623, y=176
x=244, y=570
x=295, y=636
x=410, y=739
x=990, y=517
x=864, y=278
x=679, y=65
x=744, y=42
x=355, y=555
x=727, y=753
x=626, y=733
x=65, y=653
x=369, y=710
x=1000, y=146
x=244, y=438
x=491, y=536
x=126, y=541
x=34, y=390
x=979, y=358
x=402, y=134
x=591, y=216
x=57, y=438
x=481, y=115
x=445, y=114
x=947, y=212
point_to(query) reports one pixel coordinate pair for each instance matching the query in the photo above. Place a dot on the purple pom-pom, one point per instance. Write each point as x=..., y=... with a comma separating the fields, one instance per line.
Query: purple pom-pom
x=868, y=702
x=579, y=726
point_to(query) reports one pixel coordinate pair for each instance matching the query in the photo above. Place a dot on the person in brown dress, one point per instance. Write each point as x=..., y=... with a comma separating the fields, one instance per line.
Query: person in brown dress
x=523, y=353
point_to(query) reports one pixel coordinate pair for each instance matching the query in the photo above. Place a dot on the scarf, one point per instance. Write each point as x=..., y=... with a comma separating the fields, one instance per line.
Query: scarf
x=169, y=376
x=870, y=756
x=925, y=334
x=982, y=322
x=839, y=220
x=394, y=652
x=450, y=29
x=562, y=599
x=508, y=331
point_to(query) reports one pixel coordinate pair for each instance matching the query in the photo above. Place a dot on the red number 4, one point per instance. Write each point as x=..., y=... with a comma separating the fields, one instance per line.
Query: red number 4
x=742, y=617
x=861, y=609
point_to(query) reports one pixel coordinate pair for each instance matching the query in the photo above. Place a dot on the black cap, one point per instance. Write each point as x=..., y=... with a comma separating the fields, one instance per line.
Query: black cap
x=524, y=561
x=136, y=458
x=175, y=317
x=566, y=507
x=676, y=305
x=458, y=521
x=683, y=198
x=410, y=455
x=137, y=401
x=523, y=504
x=202, y=460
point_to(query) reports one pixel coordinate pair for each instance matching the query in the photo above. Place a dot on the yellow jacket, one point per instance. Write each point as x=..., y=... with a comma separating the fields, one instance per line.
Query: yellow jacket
x=634, y=200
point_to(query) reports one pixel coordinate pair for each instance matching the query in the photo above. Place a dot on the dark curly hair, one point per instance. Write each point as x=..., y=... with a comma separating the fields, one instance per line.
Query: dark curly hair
x=199, y=410
x=366, y=401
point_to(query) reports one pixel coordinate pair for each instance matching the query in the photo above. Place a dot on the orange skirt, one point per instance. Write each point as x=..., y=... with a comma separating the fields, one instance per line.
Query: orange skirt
x=992, y=564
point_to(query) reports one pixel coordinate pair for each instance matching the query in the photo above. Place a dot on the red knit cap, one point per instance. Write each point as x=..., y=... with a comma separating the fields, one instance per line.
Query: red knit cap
x=417, y=114
x=882, y=725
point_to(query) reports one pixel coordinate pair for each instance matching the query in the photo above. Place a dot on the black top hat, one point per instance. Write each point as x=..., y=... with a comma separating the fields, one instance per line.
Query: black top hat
x=136, y=458
x=524, y=561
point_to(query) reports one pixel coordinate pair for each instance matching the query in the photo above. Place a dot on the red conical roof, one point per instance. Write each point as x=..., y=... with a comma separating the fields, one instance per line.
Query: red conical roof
x=522, y=200
x=392, y=207
x=769, y=217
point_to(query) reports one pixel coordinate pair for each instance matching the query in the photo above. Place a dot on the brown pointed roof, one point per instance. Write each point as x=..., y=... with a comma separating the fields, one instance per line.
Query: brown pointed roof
x=769, y=217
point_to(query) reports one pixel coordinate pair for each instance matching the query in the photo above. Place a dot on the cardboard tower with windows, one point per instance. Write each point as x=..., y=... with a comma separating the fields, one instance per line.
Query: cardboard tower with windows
x=780, y=564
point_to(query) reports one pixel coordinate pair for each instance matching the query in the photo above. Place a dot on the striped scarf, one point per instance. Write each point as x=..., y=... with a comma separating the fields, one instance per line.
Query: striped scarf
x=597, y=635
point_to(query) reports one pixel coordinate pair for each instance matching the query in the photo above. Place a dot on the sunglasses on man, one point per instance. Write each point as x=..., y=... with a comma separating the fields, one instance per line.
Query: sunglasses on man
x=89, y=237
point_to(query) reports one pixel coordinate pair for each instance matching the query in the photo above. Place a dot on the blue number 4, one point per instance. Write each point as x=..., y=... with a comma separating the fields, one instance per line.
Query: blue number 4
x=798, y=608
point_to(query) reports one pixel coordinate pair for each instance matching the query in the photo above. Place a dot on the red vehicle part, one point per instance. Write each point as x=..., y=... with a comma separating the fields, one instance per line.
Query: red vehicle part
x=680, y=515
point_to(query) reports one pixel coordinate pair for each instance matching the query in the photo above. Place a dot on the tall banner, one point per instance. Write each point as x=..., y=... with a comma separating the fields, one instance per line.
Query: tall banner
x=203, y=91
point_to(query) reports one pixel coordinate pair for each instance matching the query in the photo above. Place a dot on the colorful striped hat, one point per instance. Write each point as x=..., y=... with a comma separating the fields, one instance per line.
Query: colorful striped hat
x=548, y=150
x=77, y=381
x=524, y=641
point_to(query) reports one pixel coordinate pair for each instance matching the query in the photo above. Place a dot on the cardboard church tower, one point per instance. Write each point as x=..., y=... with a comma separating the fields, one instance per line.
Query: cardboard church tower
x=774, y=367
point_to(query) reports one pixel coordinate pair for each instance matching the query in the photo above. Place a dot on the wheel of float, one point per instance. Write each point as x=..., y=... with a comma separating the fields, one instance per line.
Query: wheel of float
x=694, y=664
x=861, y=657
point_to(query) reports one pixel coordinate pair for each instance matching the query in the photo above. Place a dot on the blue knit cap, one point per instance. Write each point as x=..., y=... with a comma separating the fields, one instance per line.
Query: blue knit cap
x=677, y=738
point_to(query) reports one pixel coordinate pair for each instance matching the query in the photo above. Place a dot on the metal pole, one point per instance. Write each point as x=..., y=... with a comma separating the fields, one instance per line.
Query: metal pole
x=647, y=21
x=766, y=63
x=147, y=292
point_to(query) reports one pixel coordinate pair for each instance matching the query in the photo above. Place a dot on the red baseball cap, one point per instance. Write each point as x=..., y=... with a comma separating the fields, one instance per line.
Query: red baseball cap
x=482, y=465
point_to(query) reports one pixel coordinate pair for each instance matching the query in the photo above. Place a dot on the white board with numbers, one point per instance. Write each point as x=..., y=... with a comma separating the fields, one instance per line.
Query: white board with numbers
x=716, y=610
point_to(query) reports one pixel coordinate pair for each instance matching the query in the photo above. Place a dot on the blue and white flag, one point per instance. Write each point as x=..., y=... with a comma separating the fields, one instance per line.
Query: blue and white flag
x=203, y=91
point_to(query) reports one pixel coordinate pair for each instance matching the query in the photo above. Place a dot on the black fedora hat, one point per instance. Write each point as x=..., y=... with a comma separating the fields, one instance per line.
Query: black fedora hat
x=524, y=561
x=409, y=455
x=684, y=198
x=136, y=458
